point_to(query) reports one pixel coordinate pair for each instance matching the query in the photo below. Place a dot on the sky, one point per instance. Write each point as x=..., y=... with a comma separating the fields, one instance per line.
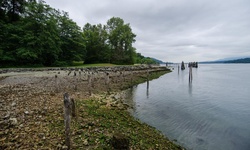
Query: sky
x=173, y=30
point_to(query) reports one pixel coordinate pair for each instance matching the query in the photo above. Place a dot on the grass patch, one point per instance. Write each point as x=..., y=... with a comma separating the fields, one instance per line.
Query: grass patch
x=143, y=78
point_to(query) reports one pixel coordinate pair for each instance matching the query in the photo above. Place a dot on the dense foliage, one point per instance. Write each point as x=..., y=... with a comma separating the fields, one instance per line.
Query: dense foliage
x=33, y=33
x=145, y=60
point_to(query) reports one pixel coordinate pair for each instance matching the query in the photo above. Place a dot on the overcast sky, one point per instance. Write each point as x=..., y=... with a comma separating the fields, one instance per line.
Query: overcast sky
x=173, y=30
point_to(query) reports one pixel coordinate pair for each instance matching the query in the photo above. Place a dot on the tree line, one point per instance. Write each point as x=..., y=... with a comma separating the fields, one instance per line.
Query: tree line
x=33, y=33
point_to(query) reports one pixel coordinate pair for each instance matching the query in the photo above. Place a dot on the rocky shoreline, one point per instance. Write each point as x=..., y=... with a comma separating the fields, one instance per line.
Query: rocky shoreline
x=114, y=68
x=31, y=100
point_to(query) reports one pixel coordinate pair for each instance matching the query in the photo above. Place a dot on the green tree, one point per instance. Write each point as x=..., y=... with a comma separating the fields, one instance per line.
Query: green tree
x=73, y=45
x=120, y=41
x=13, y=9
x=96, y=44
x=40, y=39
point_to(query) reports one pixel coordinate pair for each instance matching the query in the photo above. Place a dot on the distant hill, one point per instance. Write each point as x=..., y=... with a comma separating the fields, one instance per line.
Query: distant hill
x=242, y=60
x=239, y=60
x=158, y=61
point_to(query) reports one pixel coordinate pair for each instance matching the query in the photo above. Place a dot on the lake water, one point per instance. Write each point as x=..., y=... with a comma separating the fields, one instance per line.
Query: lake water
x=211, y=113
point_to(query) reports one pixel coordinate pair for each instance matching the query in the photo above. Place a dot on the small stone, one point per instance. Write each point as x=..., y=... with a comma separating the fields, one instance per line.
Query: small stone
x=85, y=142
x=13, y=104
x=26, y=112
x=120, y=106
x=27, y=129
x=96, y=130
x=59, y=146
x=65, y=147
x=6, y=116
x=13, y=121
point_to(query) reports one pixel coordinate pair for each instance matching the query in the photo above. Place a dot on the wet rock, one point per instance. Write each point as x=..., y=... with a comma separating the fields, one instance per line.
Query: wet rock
x=120, y=141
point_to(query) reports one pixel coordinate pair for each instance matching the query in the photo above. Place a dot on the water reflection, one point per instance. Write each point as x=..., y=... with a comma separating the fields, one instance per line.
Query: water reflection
x=202, y=114
x=147, y=92
x=129, y=98
x=190, y=88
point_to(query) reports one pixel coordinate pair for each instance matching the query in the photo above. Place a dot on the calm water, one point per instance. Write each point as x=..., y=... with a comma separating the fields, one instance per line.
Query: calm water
x=211, y=113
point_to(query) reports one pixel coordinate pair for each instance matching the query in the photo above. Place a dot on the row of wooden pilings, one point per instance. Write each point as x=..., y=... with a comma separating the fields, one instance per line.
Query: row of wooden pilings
x=190, y=66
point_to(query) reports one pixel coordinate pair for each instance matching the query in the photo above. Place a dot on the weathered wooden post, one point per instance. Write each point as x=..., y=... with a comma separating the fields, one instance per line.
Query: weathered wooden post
x=107, y=83
x=178, y=69
x=90, y=84
x=56, y=80
x=69, y=73
x=75, y=81
x=67, y=112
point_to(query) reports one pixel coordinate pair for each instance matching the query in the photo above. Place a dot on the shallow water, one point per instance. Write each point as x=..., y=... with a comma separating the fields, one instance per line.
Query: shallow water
x=211, y=112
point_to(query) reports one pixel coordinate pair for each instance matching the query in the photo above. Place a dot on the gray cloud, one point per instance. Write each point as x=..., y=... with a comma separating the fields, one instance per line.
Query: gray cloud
x=174, y=30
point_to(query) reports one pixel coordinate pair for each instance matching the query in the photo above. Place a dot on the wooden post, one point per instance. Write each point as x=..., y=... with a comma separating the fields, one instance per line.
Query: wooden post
x=75, y=82
x=107, y=83
x=69, y=73
x=56, y=80
x=89, y=84
x=120, y=76
x=67, y=112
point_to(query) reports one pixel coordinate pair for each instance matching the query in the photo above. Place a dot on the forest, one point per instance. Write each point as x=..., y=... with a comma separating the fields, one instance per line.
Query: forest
x=35, y=34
